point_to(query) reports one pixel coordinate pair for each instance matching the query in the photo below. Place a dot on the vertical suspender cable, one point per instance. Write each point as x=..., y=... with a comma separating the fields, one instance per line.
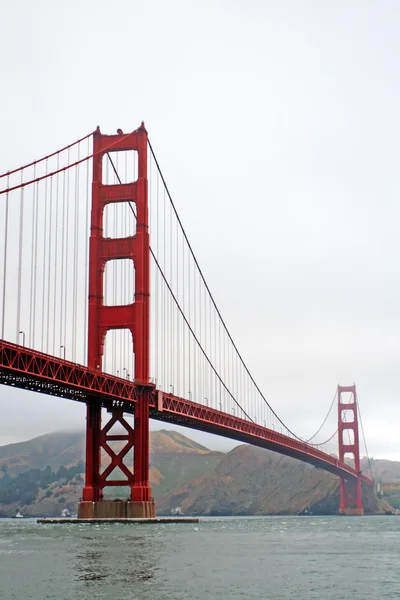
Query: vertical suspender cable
x=75, y=261
x=164, y=303
x=183, y=327
x=157, y=337
x=171, y=325
x=44, y=262
x=201, y=366
x=87, y=234
x=114, y=271
x=66, y=287
x=35, y=260
x=56, y=263
x=195, y=330
x=189, y=338
x=106, y=233
x=5, y=262
x=178, y=346
x=20, y=248
x=63, y=224
x=125, y=276
x=49, y=277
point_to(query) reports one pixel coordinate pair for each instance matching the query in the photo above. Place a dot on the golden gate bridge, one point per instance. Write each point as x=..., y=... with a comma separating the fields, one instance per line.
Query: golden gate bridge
x=103, y=302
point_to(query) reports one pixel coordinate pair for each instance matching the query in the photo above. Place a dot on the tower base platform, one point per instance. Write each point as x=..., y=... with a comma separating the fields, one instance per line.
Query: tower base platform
x=157, y=520
x=121, y=509
x=352, y=511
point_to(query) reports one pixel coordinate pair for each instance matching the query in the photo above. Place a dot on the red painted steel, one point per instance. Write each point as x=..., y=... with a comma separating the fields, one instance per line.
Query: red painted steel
x=28, y=369
x=36, y=371
x=134, y=316
x=350, y=490
x=31, y=370
x=116, y=460
x=197, y=416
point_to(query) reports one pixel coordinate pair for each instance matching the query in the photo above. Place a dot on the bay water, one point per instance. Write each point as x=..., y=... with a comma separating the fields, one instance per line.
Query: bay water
x=266, y=558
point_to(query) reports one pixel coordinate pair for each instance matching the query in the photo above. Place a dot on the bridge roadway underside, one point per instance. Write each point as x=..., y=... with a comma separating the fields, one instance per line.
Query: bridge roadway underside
x=247, y=438
x=187, y=414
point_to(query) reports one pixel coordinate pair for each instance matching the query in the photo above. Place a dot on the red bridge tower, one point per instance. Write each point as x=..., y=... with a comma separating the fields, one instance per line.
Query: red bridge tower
x=134, y=317
x=350, y=489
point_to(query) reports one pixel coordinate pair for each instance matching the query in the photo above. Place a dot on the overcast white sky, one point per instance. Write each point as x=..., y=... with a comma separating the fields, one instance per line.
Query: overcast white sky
x=277, y=126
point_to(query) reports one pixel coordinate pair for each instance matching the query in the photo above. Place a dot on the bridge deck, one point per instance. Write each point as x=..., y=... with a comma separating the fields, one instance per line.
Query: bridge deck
x=27, y=369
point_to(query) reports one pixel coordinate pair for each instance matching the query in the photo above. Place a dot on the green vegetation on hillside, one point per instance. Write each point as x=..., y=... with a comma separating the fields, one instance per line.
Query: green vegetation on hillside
x=391, y=493
x=24, y=487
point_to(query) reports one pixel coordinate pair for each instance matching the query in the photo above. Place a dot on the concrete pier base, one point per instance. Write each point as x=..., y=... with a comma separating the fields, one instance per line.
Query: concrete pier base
x=352, y=511
x=141, y=510
x=92, y=521
x=109, y=509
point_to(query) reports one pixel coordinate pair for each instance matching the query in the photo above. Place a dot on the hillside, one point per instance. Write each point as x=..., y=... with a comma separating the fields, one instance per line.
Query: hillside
x=250, y=480
x=183, y=474
x=386, y=471
x=54, y=449
x=174, y=460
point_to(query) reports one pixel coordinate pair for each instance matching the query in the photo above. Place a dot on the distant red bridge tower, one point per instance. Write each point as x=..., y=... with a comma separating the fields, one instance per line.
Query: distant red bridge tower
x=350, y=489
x=102, y=318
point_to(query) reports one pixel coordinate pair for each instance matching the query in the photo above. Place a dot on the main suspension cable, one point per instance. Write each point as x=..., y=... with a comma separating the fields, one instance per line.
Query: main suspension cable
x=326, y=441
x=323, y=423
x=36, y=162
x=60, y=169
x=365, y=441
x=181, y=311
x=213, y=300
